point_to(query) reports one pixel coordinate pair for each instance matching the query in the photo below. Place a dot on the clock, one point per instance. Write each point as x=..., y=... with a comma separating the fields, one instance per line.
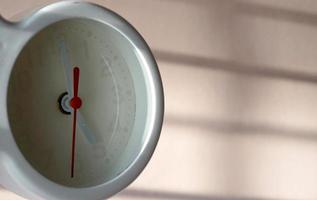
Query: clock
x=81, y=103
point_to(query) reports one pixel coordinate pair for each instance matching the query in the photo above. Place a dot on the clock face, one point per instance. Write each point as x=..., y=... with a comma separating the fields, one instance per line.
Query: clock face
x=111, y=121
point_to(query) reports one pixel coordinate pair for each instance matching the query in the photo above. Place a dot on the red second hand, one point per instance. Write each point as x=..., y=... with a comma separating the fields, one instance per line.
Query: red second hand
x=75, y=103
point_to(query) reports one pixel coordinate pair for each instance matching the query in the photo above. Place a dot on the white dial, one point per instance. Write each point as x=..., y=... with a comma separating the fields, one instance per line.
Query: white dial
x=113, y=91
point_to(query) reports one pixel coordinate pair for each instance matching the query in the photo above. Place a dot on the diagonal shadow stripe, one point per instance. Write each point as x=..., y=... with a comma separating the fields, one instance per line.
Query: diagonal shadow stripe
x=256, y=9
x=276, y=13
x=240, y=127
x=146, y=194
x=235, y=67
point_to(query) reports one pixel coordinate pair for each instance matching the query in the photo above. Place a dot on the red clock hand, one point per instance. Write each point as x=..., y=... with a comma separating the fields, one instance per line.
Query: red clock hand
x=75, y=103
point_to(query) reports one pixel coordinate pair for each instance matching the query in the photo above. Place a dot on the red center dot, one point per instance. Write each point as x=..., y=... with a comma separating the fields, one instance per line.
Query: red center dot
x=76, y=103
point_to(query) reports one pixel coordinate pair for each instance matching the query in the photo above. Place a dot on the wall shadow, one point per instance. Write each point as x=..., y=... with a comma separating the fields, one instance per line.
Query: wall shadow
x=153, y=194
x=274, y=13
x=256, y=9
x=240, y=127
x=240, y=47
x=235, y=67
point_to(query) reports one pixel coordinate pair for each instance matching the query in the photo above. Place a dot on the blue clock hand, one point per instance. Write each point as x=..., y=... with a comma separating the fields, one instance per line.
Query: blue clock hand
x=90, y=136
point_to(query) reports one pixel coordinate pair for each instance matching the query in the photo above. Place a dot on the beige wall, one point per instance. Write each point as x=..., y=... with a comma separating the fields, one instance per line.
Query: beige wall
x=240, y=80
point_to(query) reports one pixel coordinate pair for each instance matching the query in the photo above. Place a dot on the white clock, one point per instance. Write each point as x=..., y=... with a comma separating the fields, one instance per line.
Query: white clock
x=81, y=103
